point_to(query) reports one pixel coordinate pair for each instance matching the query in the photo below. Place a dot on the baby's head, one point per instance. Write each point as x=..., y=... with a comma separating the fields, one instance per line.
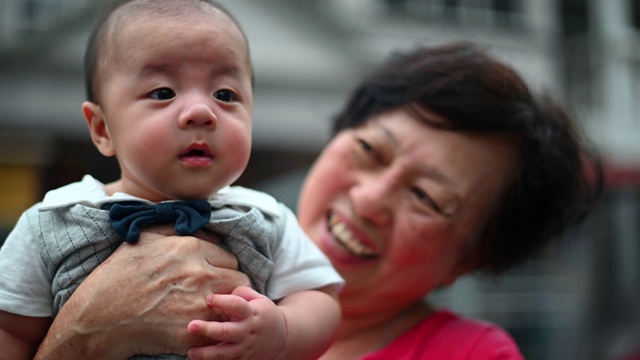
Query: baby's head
x=101, y=47
x=169, y=88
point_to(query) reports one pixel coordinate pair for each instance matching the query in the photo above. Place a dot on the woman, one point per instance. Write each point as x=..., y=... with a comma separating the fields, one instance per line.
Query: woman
x=442, y=163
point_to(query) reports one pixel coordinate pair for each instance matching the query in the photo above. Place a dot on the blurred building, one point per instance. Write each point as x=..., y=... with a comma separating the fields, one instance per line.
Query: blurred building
x=577, y=300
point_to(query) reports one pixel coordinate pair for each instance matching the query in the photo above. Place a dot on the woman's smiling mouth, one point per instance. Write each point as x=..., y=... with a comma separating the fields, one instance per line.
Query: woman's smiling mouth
x=345, y=237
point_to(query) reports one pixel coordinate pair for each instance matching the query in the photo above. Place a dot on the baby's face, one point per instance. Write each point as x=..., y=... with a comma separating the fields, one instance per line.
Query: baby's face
x=177, y=101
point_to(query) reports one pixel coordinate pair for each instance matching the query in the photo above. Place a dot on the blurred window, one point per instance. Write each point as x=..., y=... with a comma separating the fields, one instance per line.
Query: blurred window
x=486, y=13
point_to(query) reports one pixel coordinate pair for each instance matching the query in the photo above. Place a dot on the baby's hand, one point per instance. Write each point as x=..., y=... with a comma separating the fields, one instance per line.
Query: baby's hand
x=256, y=329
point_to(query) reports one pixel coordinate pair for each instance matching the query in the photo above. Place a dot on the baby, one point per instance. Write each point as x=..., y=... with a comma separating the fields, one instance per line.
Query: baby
x=169, y=87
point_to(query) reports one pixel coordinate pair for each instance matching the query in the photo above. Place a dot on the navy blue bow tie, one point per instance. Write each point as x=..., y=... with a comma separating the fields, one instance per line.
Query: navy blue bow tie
x=127, y=216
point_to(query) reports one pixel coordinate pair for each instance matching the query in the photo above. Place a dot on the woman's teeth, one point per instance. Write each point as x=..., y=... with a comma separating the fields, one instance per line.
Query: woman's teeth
x=343, y=235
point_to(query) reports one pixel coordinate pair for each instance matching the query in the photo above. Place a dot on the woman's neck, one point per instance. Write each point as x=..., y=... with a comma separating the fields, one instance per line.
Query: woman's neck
x=363, y=333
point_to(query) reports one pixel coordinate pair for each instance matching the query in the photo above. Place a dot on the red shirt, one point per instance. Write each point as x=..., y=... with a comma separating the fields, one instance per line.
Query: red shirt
x=445, y=335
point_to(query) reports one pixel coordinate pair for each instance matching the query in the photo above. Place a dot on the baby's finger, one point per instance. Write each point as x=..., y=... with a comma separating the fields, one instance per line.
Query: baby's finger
x=247, y=293
x=237, y=307
x=219, y=331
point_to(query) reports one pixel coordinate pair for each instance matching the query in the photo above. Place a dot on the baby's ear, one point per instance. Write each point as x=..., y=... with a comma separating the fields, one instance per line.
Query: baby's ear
x=98, y=128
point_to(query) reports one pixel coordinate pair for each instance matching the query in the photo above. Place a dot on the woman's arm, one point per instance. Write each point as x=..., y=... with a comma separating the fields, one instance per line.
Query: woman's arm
x=141, y=299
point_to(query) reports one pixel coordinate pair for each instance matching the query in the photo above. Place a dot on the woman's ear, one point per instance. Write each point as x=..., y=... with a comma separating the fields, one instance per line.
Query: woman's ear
x=98, y=128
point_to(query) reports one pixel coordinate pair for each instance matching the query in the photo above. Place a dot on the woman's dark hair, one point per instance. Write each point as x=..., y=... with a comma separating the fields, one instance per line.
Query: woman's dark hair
x=557, y=177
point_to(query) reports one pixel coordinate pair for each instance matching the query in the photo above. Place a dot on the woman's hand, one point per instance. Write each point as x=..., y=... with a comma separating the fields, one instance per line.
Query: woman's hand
x=141, y=299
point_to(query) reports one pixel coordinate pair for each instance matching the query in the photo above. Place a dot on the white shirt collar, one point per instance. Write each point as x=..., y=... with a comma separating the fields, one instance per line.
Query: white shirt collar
x=90, y=192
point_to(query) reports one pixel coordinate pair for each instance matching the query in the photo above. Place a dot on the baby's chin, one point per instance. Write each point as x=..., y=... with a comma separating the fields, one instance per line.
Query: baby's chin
x=183, y=195
x=190, y=192
x=191, y=196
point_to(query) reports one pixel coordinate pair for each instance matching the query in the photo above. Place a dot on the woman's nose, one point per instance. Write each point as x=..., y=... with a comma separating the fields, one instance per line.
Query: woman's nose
x=198, y=113
x=373, y=199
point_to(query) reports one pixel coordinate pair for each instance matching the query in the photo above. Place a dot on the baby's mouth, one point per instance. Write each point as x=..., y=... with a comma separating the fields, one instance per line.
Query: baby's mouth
x=197, y=151
x=345, y=237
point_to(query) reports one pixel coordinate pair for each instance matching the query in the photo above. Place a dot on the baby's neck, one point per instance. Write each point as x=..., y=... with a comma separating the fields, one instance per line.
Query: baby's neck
x=141, y=191
x=118, y=187
x=114, y=187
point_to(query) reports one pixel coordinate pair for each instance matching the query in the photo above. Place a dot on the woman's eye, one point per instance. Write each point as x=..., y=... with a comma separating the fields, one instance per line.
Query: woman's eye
x=365, y=146
x=225, y=95
x=370, y=150
x=424, y=198
x=162, y=94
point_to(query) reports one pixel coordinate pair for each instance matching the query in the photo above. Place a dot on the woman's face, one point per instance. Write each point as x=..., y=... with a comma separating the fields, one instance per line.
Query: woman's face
x=395, y=204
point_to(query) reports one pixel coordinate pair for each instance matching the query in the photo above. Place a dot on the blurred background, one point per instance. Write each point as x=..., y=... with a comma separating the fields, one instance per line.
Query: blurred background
x=579, y=299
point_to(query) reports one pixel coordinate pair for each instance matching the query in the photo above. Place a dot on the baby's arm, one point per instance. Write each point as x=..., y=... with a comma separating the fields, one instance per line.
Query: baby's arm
x=300, y=326
x=21, y=335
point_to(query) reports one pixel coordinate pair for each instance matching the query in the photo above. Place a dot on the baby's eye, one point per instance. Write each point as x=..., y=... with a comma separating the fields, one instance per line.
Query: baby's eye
x=225, y=95
x=162, y=94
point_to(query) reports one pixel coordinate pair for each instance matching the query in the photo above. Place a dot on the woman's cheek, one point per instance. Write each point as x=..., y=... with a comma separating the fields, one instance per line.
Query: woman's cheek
x=418, y=241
